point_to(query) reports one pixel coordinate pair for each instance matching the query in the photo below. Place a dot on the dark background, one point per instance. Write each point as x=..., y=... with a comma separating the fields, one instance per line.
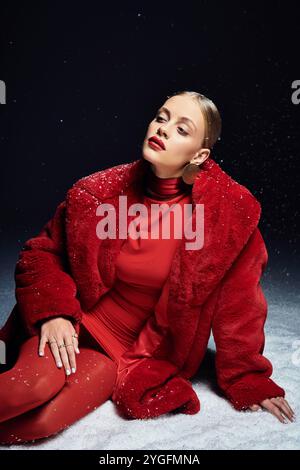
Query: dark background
x=84, y=80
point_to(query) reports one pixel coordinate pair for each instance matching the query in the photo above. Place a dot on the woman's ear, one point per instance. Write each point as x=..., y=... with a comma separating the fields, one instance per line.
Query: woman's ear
x=201, y=156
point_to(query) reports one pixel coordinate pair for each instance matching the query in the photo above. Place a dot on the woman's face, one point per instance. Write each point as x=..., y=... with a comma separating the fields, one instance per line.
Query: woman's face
x=181, y=138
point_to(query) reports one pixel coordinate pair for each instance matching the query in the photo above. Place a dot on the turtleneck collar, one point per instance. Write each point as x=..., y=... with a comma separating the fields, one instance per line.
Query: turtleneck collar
x=163, y=188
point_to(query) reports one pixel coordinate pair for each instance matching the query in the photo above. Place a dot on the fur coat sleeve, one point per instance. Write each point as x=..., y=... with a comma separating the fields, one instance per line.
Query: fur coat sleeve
x=243, y=373
x=44, y=288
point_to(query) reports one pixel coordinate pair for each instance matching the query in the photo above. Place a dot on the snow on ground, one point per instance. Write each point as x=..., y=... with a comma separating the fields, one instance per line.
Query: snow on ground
x=217, y=425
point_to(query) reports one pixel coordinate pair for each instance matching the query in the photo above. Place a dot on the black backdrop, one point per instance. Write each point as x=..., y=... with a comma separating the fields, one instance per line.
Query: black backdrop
x=83, y=80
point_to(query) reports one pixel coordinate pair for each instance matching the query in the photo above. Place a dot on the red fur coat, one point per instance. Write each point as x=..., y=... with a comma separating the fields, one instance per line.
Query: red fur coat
x=66, y=269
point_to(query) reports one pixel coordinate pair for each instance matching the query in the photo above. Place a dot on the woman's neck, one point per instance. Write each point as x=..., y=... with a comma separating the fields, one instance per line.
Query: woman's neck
x=163, y=188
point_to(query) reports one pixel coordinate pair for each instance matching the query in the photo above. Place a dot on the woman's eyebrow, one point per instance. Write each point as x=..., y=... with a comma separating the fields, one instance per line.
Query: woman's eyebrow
x=182, y=118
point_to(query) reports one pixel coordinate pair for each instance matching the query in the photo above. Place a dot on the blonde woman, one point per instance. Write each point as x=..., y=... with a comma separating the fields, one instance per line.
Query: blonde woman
x=123, y=315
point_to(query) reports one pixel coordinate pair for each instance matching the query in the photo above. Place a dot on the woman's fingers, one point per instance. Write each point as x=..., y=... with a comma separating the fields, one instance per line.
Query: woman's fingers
x=75, y=342
x=42, y=344
x=273, y=408
x=277, y=406
x=55, y=351
x=286, y=403
x=275, y=411
x=64, y=356
x=281, y=404
x=70, y=351
x=63, y=341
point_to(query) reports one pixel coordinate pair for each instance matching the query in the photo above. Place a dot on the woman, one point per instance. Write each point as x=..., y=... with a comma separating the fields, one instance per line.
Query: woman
x=141, y=308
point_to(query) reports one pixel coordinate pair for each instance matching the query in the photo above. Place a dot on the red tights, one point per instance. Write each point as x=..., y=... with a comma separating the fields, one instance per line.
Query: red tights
x=37, y=399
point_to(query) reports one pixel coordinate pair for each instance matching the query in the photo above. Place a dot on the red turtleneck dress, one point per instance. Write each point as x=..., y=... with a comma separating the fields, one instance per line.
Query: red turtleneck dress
x=142, y=267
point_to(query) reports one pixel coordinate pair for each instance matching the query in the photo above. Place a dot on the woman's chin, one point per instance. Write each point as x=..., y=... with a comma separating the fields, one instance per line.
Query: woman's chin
x=150, y=155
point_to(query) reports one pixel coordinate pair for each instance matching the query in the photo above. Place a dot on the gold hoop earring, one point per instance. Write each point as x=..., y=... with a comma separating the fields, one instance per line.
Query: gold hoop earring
x=190, y=172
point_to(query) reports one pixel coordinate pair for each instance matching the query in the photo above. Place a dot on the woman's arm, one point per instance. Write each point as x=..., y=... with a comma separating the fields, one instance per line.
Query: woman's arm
x=44, y=288
x=243, y=373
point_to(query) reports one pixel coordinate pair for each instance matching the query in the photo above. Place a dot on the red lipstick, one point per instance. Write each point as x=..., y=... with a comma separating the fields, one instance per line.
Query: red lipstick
x=157, y=142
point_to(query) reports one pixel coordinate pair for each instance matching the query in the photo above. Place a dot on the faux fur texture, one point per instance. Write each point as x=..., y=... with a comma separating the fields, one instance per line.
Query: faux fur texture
x=155, y=387
x=66, y=269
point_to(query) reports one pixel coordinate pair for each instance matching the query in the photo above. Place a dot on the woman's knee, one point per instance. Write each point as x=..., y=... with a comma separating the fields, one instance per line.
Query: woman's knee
x=33, y=379
x=85, y=390
x=28, y=394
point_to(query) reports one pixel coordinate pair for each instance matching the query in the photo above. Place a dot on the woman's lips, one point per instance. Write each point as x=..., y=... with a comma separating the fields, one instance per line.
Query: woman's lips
x=154, y=145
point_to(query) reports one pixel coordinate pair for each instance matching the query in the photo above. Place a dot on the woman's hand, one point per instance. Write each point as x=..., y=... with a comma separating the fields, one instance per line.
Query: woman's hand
x=278, y=407
x=62, y=338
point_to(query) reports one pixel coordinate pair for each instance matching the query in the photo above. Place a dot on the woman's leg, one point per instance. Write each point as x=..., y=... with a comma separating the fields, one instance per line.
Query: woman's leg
x=31, y=381
x=81, y=393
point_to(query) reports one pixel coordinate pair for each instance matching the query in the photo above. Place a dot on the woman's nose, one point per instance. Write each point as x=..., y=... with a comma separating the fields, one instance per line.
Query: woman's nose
x=162, y=131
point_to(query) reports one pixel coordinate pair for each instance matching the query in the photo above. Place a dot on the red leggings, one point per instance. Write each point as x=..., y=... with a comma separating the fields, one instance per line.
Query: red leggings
x=37, y=399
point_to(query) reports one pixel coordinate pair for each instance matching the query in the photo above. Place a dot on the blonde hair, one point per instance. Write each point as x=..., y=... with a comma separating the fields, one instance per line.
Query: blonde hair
x=212, y=118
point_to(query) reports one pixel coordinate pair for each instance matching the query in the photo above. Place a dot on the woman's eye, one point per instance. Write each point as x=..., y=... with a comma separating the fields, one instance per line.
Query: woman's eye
x=185, y=133
x=159, y=118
